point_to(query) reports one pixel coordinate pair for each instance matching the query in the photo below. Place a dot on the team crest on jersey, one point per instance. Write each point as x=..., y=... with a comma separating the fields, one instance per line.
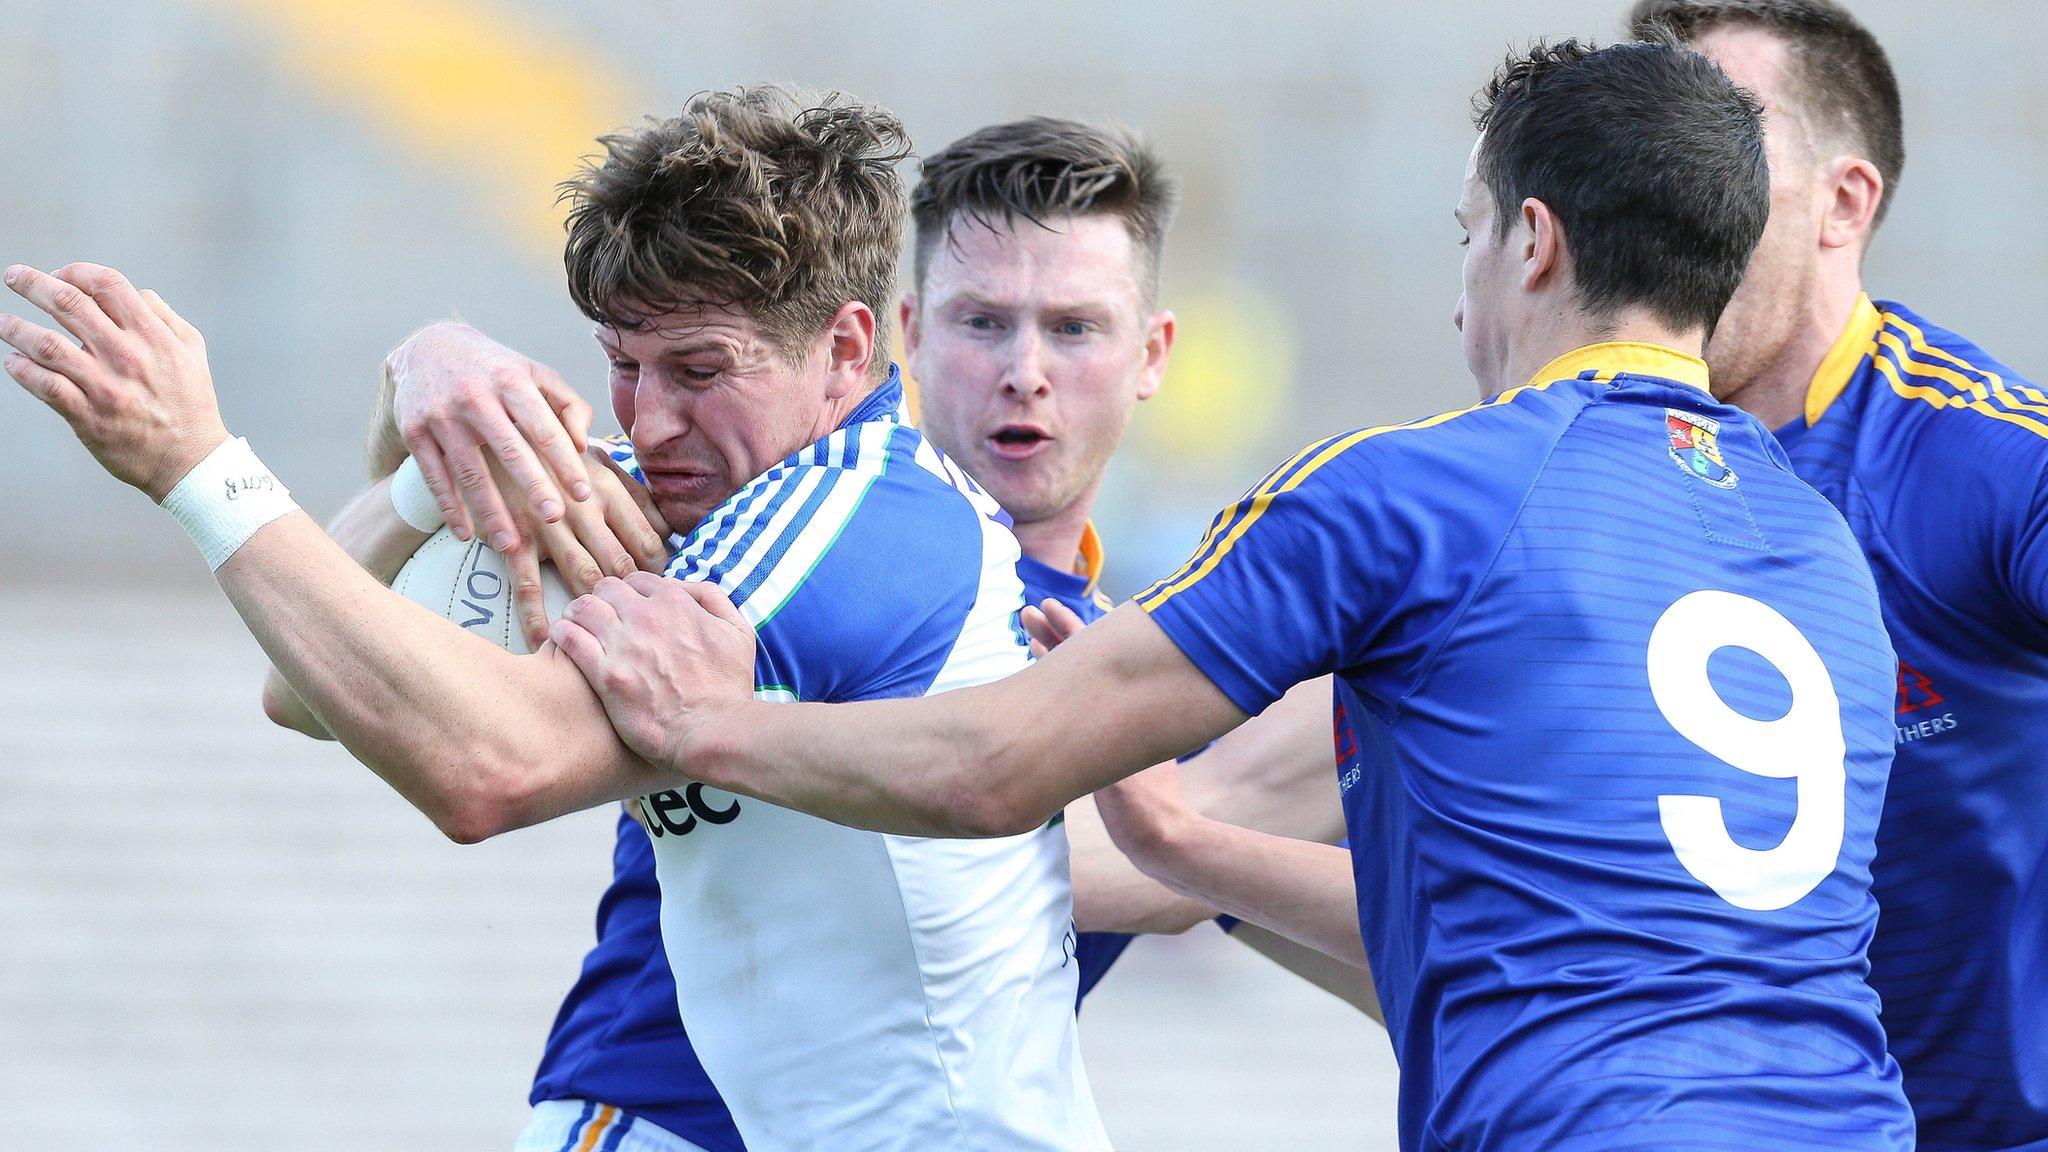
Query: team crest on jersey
x=1696, y=445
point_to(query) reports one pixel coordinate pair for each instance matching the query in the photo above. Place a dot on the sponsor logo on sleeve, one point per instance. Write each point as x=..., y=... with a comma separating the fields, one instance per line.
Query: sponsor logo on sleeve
x=1918, y=707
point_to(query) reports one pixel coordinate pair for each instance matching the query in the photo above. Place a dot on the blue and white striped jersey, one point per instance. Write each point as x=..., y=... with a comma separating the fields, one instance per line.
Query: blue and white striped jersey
x=849, y=988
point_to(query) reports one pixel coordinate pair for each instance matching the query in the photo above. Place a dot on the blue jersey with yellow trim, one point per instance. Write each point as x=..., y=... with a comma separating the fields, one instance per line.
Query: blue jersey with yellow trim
x=1938, y=456
x=1622, y=705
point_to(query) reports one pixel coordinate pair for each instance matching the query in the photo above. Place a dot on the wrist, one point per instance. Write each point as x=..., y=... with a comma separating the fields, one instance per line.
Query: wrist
x=225, y=498
x=708, y=742
x=180, y=462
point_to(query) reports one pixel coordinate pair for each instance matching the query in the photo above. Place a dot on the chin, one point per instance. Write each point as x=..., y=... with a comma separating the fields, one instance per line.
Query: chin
x=682, y=516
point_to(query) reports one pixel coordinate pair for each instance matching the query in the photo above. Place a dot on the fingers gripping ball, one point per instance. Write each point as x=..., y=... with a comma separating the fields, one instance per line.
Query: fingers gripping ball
x=467, y=582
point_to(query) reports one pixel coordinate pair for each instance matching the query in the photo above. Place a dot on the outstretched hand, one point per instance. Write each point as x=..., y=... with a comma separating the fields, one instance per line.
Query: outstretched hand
x=662, y=654
x=135, y=388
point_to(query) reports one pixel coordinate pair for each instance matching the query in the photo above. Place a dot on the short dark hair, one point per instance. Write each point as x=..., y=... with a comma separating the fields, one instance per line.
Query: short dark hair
x=757, y=198
x=1843, y=81
x=1043, y=168
x=1652, y=160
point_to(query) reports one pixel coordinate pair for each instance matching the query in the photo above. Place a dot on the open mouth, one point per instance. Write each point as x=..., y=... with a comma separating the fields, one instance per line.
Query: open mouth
x=1016, y=441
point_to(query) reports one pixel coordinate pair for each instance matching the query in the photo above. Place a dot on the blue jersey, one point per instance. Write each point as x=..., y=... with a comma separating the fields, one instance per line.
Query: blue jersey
x=619, y=1037
x=1938, y=457
x=1621, y=701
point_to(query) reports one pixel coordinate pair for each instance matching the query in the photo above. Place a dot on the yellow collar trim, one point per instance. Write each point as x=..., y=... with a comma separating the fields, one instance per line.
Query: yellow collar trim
x=1840, y=364
x=1089, y=562
x=1632, y=356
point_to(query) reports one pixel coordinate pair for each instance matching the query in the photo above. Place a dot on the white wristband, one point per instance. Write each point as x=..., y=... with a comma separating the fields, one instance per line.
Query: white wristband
x=414, y=500
x=225, y=498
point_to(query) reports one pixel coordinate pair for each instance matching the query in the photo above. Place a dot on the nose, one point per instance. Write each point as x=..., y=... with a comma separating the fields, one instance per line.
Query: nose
x=661, y=412
x=1024, y=373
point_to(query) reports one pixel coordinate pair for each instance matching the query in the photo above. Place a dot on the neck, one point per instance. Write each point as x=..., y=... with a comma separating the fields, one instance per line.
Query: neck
x=1055, y=541
x=1772, y=386
x=835, y=412
x=1549, y=337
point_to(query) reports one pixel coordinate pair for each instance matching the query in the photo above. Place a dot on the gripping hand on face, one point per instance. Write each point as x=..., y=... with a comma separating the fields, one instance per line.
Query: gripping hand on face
x=498, y=437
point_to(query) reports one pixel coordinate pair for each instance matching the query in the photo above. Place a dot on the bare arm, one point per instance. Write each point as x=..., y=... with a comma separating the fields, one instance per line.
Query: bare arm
x=373, y=535
x=1274, y=774
x=1339, y=978
x=1111, y=894
x=1302, y=891
x=674, y=667
x=478, y=739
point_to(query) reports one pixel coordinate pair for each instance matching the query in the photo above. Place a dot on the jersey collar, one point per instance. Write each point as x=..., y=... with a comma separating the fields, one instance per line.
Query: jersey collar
x=1634, y=357
x=1088, y=562
x=1839, y=366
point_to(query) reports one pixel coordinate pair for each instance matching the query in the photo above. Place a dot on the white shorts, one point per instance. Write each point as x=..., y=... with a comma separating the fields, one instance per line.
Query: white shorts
x=587, y=1126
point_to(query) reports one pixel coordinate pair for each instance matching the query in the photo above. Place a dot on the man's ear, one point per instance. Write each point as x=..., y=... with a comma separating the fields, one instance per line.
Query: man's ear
x=850, y=344
x=1543, y=251
x=1159, y=333
x=1851, y=212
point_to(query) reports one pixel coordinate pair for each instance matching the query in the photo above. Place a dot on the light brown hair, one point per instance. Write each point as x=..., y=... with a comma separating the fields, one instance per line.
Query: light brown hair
x=1041, y=169
x=756, y=198
x=1843, y=81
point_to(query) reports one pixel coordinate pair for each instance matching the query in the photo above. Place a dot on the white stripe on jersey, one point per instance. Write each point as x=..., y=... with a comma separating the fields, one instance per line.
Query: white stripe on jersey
x=872, y=993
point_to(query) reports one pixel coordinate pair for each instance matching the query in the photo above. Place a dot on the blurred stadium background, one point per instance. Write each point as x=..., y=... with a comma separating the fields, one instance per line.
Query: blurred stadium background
x=215, y=936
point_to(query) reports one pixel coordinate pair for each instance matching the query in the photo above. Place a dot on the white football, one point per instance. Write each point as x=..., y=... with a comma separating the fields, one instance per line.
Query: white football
x=466, y=582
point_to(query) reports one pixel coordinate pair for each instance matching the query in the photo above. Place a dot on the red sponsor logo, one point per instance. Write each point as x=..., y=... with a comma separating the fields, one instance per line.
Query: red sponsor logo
x=1916, y=691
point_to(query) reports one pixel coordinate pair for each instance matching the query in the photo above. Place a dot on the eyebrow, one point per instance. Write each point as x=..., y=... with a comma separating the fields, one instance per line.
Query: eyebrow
x=690, y=346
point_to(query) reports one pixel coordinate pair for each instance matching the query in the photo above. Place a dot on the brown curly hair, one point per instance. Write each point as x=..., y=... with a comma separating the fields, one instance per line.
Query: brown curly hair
x=757, y=198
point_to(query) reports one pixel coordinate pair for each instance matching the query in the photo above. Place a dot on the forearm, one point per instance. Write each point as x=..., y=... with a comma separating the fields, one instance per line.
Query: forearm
x=384, y=448
x=1339, y=978
x=1302, y=891
x=997, y=760
x=374, y=536
x=1111, y=894
x=477, y=738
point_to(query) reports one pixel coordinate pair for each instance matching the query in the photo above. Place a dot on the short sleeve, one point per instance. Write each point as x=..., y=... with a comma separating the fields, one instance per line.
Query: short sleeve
x=1293, y=581
x=2027, y=562
x=814, y=556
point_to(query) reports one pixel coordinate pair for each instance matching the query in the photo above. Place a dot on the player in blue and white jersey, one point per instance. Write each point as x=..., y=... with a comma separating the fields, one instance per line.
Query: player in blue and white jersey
x=1033, y=338
x=1618, y=677
x=844, y=988
x=1938, y=456
x=1034, y=330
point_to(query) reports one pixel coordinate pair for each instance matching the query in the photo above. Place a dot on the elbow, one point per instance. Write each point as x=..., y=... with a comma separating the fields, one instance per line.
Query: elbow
x=282, y=707
x=990, y=807
x=488, y=797
x=276, y=708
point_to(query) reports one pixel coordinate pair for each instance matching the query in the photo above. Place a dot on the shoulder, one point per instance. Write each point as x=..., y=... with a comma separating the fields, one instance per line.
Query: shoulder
x=1953, y=426
x=762, y=544
x=1943, y=393
x=862, y=555
x=1478, y=456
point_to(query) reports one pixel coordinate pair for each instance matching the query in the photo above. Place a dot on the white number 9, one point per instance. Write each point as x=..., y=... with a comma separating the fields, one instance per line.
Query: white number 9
x=1805, y=744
